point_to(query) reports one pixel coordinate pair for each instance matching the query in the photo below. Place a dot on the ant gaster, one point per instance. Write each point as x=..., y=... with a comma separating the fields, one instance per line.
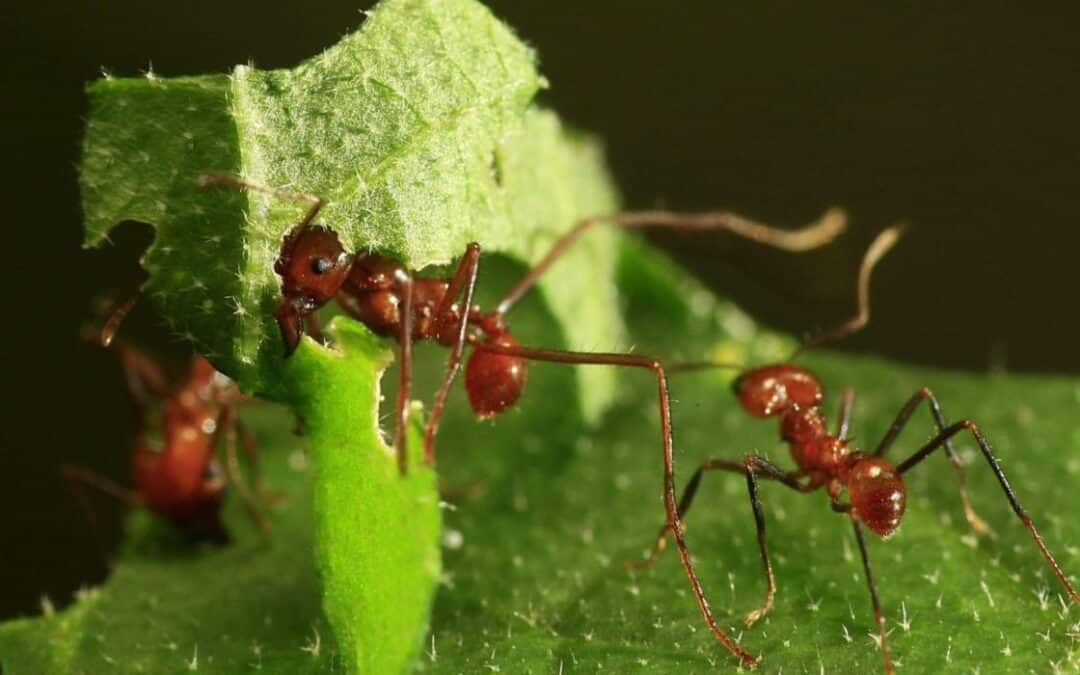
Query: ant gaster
x=174, y=464
x=876, y=494
x=384, y=295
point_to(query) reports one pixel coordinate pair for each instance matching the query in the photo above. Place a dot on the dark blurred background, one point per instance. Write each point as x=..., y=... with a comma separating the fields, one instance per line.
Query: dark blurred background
x=961, y=119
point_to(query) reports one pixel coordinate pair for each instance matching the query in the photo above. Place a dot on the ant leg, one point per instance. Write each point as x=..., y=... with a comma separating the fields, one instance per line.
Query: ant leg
x=752, y=466
x=879, y=618
x=977, y=524
x=843, y=425
x=664, y=404
x=881, y=245
x=464, y=280
x=225, y=180
x=984, y=445
x=78, y=479
x=116, y=317
x=771, y=471
x=265, y=495
x=818, y=233
x=78, y=475
x=401, y=416
x=226, y=425
x=144, y=379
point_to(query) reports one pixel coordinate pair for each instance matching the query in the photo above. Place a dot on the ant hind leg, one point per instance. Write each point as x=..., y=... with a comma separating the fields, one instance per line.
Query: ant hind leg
x=984, y=446
x=464, y=281
x=978, y=525
x=879, y=617
x=670, y=505
x=753, y=467
x=227, y=427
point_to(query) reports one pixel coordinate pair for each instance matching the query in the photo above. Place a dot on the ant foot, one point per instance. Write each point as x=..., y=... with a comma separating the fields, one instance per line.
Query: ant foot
x=654, y=555
x=978, y=525
x=755, y=616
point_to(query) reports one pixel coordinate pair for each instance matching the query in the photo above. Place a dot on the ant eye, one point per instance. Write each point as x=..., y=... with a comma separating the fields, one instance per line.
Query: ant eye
x=320, y=265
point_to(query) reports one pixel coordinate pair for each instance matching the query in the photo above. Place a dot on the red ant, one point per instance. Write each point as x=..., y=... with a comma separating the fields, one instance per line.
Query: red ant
x=876, y=494
x=178, y=476
x=381, y=293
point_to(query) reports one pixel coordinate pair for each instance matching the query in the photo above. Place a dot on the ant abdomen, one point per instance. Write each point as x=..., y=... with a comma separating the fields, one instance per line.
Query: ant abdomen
x=494, y=381
x=174, y=483
x=771, y=390
x=877, y=493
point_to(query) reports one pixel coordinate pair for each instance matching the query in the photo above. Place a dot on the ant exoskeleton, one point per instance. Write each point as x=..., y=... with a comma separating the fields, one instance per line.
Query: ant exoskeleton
x=381, y=293
x=175, y=469
x=876, y=494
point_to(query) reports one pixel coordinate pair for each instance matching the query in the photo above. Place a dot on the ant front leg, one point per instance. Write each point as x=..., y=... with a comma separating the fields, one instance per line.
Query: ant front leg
x=464, y=281
x=144, y=379
x=752, y=467
x=977, y=523
x=266, y=496
x=227, y=427
x=670, y=506
x=401, y=417
x=79, y=479
x=942, y=440
x=879, y=617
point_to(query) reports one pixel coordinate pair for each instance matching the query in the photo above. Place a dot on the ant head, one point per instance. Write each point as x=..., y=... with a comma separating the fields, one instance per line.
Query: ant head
x=877, y=493
x=771, y=390
x=313, y=265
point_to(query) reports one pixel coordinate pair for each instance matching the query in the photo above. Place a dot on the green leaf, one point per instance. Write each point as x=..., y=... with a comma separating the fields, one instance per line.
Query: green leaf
x=377, y=549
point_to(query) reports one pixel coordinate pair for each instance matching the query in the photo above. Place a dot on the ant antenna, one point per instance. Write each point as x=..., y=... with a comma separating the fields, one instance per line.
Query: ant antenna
x=820, y=232
x=206, y=181
x=881, y=245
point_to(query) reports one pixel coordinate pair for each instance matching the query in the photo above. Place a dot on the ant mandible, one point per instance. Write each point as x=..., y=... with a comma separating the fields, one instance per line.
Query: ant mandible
x=381, y=293
x=179, y=477
x=876, y=494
